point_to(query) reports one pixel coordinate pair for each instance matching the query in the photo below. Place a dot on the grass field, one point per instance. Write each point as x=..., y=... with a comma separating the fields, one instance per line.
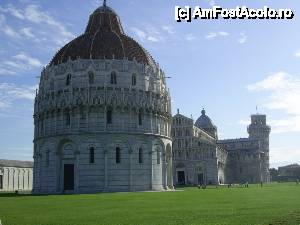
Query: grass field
x=272, y=204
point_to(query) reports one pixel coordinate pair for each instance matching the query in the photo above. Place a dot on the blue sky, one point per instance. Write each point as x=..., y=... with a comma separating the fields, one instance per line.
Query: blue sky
x=228, y=67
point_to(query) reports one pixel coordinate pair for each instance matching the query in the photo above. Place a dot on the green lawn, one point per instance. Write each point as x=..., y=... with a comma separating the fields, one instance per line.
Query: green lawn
x=272, y=204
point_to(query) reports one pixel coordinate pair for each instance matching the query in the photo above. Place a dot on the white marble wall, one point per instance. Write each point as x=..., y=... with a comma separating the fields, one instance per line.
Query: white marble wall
x=86, y=104
x=14, y=178
x=104, y=174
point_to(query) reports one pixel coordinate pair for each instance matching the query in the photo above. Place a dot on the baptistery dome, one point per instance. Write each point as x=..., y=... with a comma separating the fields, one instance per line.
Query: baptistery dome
x=102, y=115
x=104, y=38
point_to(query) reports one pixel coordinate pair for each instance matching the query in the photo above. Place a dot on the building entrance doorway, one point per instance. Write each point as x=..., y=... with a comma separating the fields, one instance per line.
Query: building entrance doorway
x=1, y=182
x=181, y=177
x=68, y=177
x=200, y=179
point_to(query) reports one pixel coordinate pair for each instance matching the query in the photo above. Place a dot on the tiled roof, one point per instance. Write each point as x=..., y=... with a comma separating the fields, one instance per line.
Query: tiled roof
x=15, y=163
x=104, y=38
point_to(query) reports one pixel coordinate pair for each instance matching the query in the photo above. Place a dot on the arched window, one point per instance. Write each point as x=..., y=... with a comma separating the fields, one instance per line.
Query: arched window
x=52, y=85
x=133, y=80
x=141, y=156
x=109, y=116
x=158, y=156
x=47, y=158
x=68, y=150
x=118, y=155
x=82, y=114
x=113, y=78
x=91, y=78
x=92, y=155
x=140, y=117
x=69, y=79
x=68, y=119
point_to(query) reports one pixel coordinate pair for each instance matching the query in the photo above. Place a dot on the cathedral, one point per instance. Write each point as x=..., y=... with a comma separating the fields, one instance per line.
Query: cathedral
x=200, y=158
x=103, y=123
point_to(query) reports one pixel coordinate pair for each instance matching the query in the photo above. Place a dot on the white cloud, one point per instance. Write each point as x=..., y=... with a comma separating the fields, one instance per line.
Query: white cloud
x=190, y=37
x=149, y=34
x=284, y=95
x=10, y=93
x=19, y=63
x=168, y=29
x=297, y=53
x=35, y=14
x=12, y=11
x=213, y=35
x=244, y=122
x=243, y=38
x=211, y=2
x=33, y=62
x=27, y=31
x=6, y=29
x=281, y=156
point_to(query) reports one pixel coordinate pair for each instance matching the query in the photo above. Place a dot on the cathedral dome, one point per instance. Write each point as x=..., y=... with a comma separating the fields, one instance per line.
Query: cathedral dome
x=205, y=123
x=104, y=38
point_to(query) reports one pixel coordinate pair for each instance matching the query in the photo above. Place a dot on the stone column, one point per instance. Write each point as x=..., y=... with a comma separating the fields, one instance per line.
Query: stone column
x=166, y=175
x=76, y=171
x=105, y=171
x=170, y=174
x=130, y=170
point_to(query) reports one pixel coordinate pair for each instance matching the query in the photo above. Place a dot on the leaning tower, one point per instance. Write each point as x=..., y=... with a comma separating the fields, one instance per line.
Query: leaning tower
x=258, y=129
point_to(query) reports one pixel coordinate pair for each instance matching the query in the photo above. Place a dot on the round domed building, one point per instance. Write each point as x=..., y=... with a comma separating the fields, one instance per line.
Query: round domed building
x=205, y=123
x=102, y=115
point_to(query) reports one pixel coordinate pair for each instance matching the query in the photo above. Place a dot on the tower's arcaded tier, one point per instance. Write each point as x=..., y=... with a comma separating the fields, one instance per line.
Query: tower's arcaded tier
x=258, y=129
x=102, y=115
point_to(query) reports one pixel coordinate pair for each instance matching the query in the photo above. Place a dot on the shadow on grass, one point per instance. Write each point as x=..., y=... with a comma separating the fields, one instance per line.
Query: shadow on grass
x=6, y=195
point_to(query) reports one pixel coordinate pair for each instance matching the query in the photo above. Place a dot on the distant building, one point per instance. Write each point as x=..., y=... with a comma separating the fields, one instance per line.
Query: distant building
x=15, y=175
x=200, y=158
x=197, y=158
x=289, y=173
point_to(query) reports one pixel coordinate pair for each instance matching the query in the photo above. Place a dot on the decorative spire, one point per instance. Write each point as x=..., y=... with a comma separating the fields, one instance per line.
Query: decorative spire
x=203, y=111
x=104, y=3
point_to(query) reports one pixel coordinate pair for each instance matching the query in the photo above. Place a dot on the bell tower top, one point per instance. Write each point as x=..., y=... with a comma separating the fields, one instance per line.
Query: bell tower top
x=258, y=127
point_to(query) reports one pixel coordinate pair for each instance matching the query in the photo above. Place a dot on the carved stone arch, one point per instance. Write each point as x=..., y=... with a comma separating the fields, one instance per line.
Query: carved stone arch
x=135, y=109
x=114, y=98
x=159, y=145
x=79, y=101
x=101, y=98
x=96, y=100
x=168, y=151
x=62, y=143
x=53, y=113
x=92, y=109
x=119, y=144
x=68, y=66
x=126, y=108
x=63, y=103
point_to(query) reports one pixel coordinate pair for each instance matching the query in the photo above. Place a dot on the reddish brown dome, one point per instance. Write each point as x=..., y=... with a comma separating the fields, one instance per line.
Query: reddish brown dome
x=104, y=38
